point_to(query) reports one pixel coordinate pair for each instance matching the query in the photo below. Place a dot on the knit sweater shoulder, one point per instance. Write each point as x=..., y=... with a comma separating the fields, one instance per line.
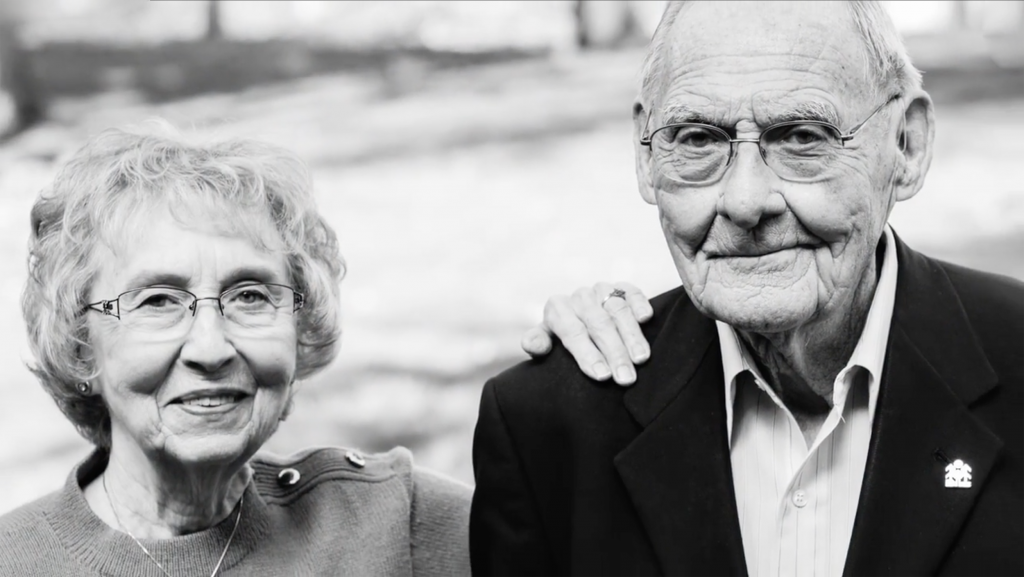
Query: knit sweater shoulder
x=334, y=512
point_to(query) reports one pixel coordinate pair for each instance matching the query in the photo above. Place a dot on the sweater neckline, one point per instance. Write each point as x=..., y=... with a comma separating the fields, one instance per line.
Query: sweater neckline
x=111, y=552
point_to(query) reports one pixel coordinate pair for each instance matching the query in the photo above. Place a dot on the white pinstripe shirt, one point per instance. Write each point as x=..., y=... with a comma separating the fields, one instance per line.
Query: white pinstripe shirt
x=797, y=504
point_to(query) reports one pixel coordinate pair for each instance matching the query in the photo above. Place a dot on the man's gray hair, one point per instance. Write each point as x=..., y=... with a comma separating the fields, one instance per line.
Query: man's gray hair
x=889, y=66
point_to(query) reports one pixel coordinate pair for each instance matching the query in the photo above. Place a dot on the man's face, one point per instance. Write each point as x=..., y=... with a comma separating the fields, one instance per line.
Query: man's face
x=754, y=250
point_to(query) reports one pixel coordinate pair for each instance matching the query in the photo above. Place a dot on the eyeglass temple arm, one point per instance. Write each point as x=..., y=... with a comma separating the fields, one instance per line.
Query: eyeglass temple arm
x=112, y=308
x=853, y=131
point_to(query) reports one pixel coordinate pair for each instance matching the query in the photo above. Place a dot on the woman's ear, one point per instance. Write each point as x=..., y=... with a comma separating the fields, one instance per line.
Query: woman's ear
x=914, y=139
x=644, y=176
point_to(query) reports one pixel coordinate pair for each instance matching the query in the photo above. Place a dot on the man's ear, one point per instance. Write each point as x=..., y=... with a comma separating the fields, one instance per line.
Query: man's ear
x=915, y=139
x=644, y=174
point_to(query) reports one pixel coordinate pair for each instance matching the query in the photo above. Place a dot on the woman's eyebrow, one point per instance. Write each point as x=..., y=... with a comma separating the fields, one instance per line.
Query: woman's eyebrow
x=151, y=278
x=251, y=273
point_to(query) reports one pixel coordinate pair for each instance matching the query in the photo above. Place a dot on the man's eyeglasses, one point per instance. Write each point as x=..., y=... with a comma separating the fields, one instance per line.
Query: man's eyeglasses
x=797, y=150
x=169, y=310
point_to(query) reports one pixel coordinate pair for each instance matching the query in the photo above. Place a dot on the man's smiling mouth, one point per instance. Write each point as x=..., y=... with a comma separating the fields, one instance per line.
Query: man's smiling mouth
x=756, y=252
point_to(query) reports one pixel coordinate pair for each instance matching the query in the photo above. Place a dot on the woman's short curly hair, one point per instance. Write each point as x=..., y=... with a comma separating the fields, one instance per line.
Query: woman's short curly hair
x=105, y=192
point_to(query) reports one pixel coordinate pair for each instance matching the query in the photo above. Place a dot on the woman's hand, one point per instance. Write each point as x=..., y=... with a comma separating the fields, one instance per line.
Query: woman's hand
x=601, y=332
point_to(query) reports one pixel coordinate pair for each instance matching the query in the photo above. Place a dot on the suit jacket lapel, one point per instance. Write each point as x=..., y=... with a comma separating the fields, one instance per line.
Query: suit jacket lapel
x=677, y=471
x=906, y=517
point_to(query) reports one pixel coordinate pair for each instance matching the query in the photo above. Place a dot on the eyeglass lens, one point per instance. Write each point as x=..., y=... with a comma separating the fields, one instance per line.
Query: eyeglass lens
x=697, y=153
x=155, y=309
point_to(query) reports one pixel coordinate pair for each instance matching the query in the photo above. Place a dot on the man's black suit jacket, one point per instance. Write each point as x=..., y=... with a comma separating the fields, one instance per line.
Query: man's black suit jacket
x=580, y=478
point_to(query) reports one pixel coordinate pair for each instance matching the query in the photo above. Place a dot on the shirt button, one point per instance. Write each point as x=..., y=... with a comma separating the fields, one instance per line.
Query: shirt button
x=800, y=499
x=288, y=477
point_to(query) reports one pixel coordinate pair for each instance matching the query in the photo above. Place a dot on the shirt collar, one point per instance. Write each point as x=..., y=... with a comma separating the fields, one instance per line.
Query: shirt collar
x=868, y=354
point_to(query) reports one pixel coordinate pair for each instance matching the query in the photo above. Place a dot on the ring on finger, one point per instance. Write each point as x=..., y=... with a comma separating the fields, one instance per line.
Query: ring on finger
x=615, y=293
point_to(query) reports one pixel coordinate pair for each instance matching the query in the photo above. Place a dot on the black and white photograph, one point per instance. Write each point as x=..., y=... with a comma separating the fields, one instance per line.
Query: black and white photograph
x=511, y=287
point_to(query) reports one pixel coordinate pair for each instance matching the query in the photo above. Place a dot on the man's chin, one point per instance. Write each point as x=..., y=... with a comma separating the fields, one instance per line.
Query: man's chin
x=759, y=313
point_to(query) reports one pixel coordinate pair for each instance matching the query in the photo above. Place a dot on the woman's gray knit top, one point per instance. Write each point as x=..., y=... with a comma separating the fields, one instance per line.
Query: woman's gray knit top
x=342, y=516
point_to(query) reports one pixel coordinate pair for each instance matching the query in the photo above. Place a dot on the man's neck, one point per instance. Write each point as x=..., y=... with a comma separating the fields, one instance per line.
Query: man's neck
x=801, y=365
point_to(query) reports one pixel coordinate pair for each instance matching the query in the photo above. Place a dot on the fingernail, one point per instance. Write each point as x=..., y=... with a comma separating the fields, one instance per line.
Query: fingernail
x=625, y=376
x=642, y=353
x=601, y=370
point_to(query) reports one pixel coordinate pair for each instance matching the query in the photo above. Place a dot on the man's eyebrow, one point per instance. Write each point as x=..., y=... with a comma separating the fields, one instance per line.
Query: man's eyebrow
x=677, y=113
x=806, y=110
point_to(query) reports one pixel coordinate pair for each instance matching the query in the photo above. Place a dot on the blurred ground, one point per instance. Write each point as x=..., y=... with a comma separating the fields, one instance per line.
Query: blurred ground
x=463, y=198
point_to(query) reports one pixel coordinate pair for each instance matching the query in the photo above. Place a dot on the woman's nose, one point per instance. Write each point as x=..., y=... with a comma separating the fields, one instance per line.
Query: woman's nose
x=207, y=347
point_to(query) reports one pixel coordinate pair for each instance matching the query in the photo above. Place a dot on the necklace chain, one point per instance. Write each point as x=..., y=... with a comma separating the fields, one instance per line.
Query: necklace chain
x=223, y=554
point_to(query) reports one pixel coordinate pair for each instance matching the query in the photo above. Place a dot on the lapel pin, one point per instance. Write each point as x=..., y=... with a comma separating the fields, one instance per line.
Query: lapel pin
x=958, y=475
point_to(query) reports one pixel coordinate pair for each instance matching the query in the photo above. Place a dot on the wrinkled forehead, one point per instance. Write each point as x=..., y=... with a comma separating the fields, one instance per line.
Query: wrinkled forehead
x=764, y=55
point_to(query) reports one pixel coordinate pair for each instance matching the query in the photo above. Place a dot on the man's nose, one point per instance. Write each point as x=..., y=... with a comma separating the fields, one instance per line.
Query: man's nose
x=748, y=196
x=206, y=347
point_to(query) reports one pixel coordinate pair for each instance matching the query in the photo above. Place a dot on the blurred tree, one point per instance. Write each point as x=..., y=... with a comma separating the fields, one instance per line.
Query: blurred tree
x=961, y=19
x=606, y=24
x=17, y=77
x=579, y=8
x=214, y=29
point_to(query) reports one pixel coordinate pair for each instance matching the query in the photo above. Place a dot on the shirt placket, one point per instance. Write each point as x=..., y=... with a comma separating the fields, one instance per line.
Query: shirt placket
x=797, y=506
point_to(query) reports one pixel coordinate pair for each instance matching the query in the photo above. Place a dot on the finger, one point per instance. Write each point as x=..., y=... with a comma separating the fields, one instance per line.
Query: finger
x=536, y=341
x=629, y=329
x=563, y=323
x=638, y=302
x=602, y=290
x=626, y=317
x=603, y=332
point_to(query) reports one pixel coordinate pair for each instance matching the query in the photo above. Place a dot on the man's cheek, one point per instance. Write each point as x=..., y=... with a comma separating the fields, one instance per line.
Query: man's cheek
x=686, y=220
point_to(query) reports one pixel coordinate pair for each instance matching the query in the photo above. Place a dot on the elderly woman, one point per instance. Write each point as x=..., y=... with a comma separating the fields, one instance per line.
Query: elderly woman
x=177, y=293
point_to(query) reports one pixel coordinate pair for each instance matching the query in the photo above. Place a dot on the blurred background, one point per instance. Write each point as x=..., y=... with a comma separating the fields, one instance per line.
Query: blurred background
x=474, y=157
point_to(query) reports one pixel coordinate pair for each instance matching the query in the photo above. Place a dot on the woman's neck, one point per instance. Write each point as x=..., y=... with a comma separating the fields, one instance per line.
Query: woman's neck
x=159, y=500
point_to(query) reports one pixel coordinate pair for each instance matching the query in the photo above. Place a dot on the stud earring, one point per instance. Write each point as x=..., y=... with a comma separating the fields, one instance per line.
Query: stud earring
x=84, y=388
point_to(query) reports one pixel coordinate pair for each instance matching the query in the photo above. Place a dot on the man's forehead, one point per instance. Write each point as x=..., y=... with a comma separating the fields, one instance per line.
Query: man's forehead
x=766, y=109
x=773, y=47
x=750, y=24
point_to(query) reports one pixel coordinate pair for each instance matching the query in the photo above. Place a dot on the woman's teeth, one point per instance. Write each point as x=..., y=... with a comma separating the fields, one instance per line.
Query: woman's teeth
x=210, y=401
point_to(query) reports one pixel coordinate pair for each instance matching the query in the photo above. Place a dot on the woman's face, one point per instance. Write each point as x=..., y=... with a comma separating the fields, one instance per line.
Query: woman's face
x=210, y=392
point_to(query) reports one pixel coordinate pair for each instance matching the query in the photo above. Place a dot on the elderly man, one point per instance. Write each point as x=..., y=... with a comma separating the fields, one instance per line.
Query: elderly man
x=820, y=399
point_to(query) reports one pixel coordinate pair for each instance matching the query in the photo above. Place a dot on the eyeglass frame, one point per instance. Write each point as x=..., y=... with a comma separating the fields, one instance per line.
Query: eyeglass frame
x=843, y=138
x=107, y=306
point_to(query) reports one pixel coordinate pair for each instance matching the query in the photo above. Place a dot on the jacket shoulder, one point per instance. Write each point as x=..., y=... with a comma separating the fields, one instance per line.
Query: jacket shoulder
x=981, y=290
x=994, y=305
x=538, y=387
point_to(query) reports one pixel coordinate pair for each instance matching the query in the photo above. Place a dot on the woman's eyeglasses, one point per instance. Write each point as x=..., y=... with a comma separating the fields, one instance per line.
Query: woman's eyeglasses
x=169, y=310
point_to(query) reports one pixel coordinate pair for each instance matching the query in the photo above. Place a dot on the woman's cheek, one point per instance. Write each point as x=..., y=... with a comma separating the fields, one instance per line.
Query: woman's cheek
x=272, y=362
